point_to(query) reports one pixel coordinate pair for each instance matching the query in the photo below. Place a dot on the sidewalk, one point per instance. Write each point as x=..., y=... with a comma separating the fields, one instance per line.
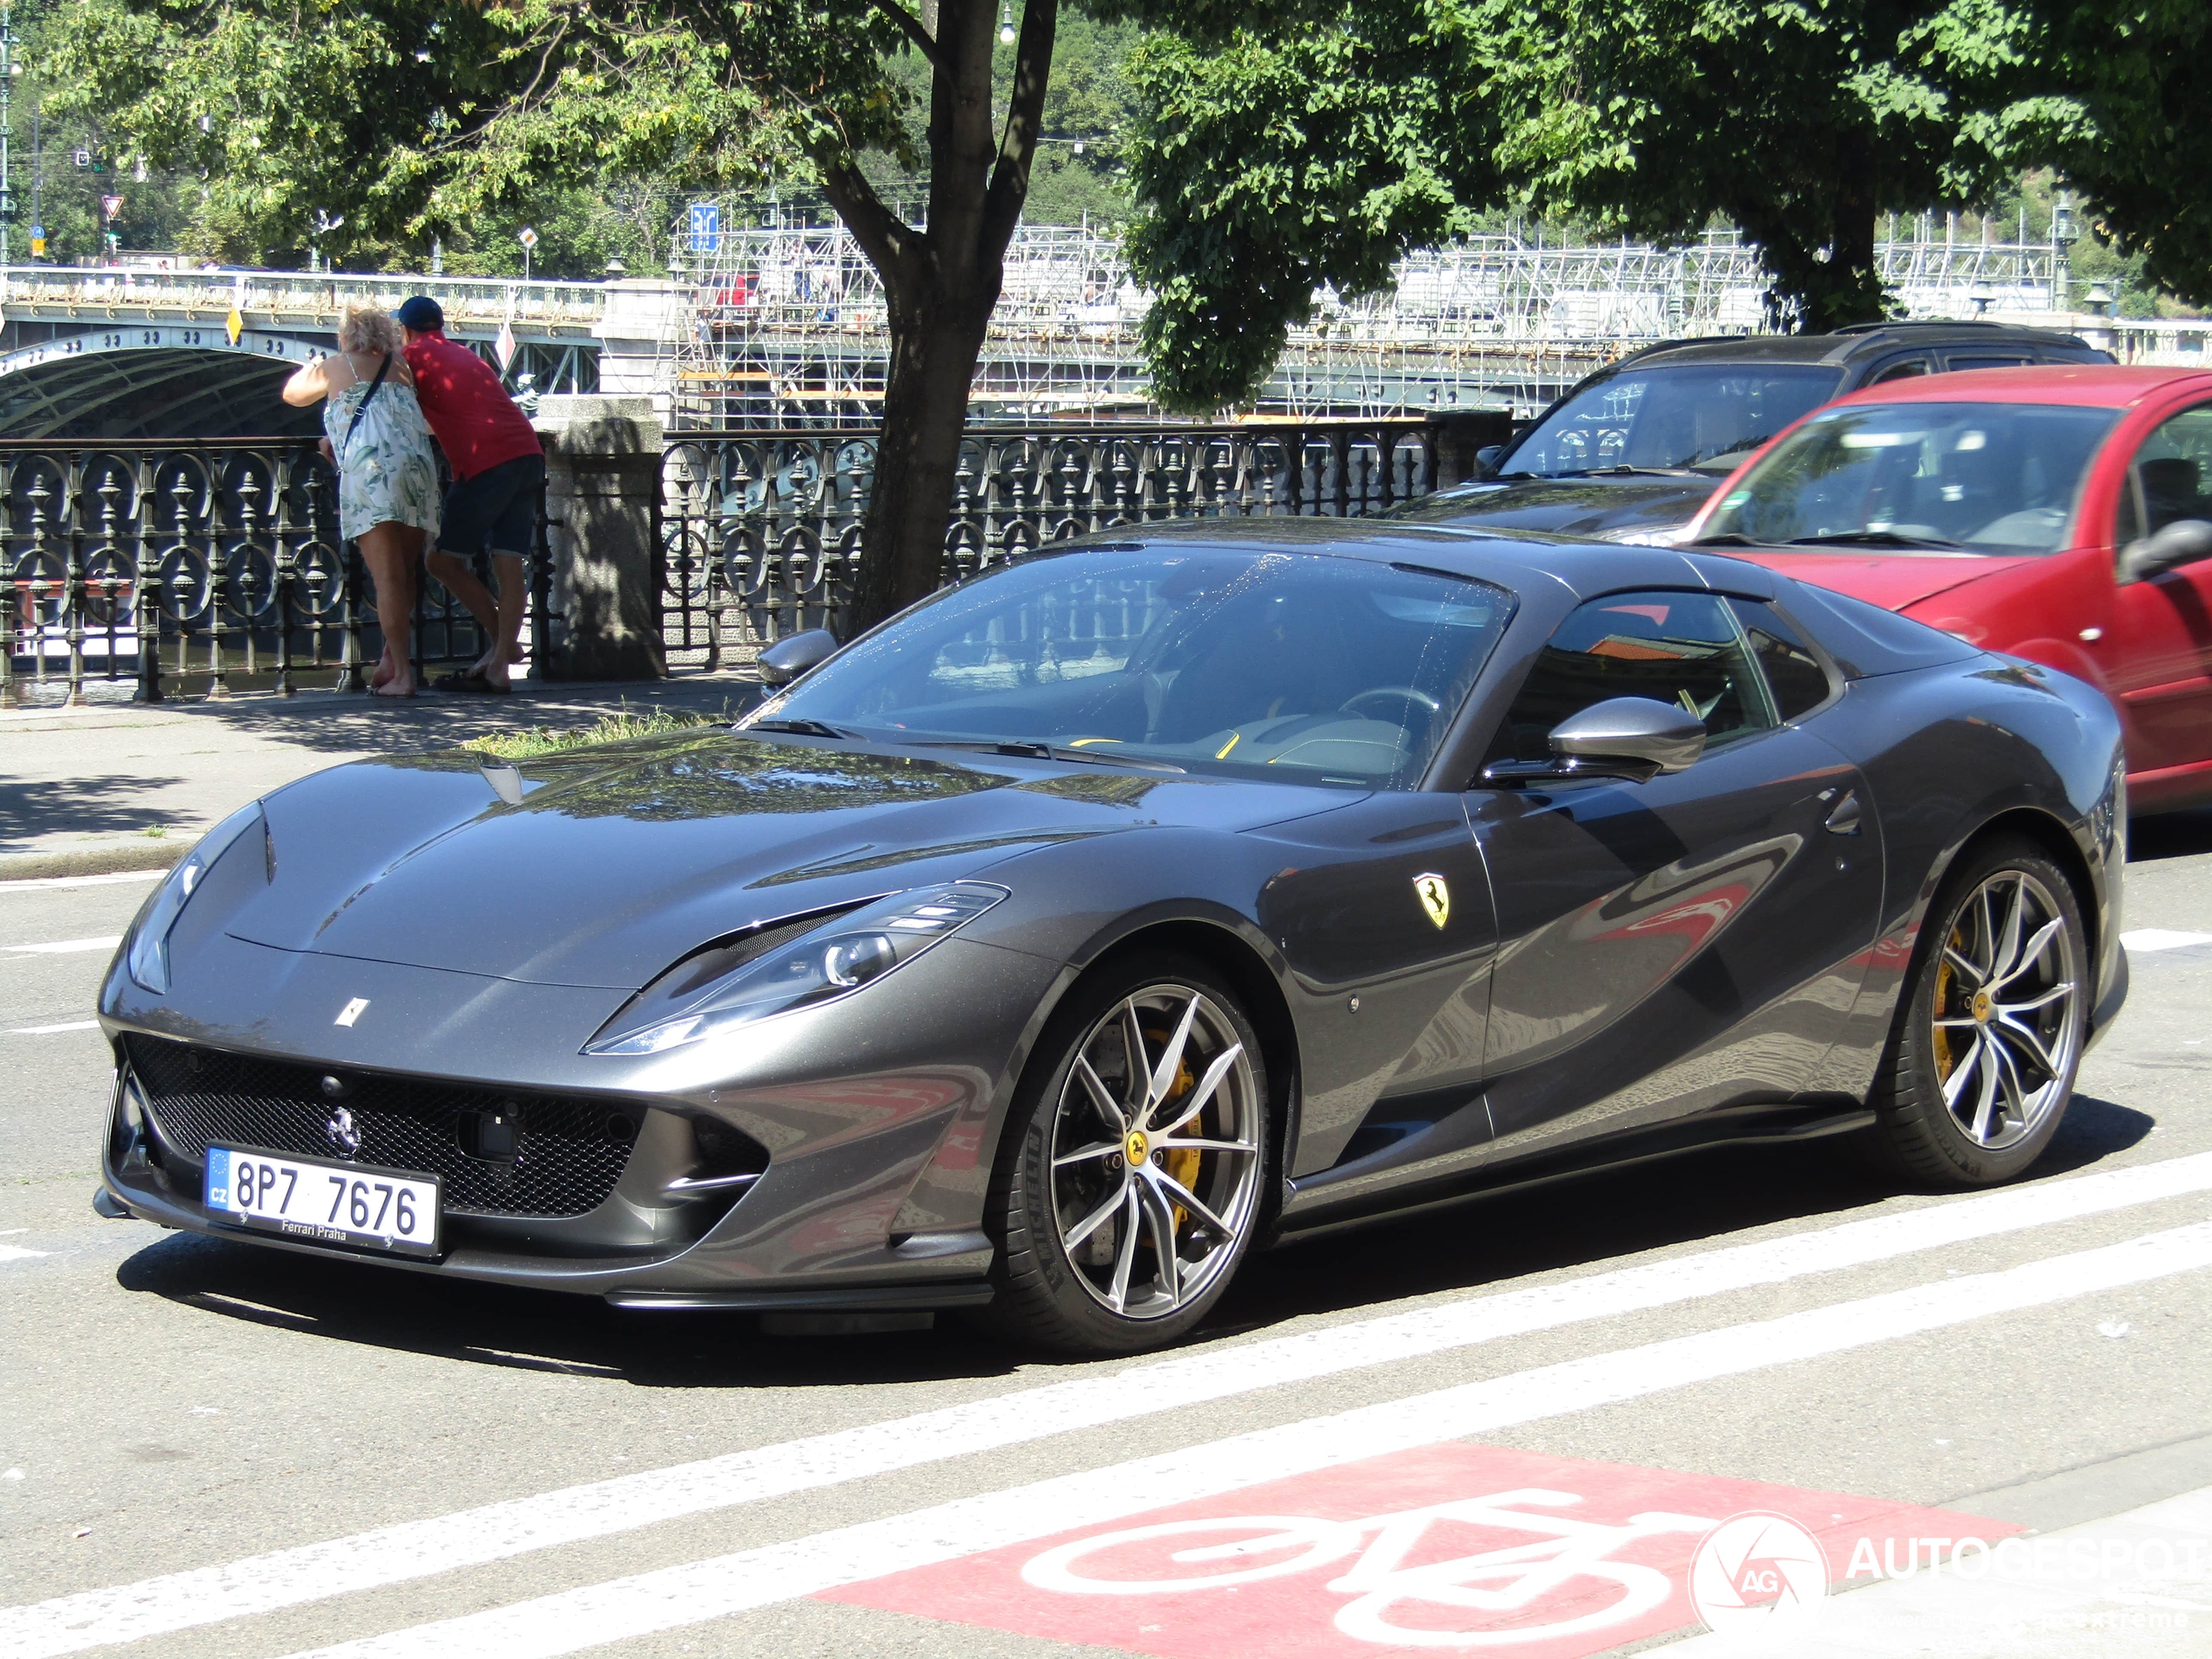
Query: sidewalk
x=125, y=785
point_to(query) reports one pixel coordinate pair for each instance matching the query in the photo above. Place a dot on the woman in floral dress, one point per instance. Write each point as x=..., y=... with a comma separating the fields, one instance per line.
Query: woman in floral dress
x=388, y=473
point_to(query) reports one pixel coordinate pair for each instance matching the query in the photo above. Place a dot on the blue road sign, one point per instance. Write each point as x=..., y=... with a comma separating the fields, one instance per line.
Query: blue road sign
x=706, y=227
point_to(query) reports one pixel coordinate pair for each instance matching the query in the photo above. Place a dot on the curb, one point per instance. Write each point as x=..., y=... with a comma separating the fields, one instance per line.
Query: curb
x=95, y=860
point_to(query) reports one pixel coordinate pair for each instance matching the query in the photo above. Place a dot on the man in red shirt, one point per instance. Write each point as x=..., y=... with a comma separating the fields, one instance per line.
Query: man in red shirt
x=499, y=472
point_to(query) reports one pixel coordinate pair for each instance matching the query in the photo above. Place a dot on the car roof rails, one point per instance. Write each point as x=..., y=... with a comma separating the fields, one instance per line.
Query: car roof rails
x=1921, y=322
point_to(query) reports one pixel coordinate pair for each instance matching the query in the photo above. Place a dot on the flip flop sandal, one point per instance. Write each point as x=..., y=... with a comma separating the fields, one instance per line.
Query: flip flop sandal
x=471, y=681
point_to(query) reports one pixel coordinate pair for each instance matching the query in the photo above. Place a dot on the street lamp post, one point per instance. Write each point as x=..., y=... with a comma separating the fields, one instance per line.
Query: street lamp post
x=8, y=69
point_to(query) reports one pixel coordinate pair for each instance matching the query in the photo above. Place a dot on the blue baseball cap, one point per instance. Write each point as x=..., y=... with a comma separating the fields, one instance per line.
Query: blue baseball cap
x=422, y=314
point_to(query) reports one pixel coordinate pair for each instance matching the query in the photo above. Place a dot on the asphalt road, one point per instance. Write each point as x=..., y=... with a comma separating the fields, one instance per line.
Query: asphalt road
x=1774, y=1330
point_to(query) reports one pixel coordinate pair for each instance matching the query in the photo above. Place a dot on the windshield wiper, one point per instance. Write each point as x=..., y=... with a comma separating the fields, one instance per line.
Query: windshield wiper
x=1035, y=751
x=801, y=728
x=1868, y=538
x=1627, y=472
x=1728, y=538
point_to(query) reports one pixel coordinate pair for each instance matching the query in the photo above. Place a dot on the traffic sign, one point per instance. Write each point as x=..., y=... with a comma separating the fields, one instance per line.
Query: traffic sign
x=529, y=238
x=111, y=205
x=706, y=227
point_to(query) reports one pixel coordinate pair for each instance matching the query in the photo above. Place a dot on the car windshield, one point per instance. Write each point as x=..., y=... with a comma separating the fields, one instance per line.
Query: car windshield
x=1292, y=667
x=1989, y=478
x=1705, y=416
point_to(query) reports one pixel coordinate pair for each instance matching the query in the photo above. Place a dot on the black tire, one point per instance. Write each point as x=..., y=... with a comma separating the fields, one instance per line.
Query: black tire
x=1045, y=1296
x=1978, y=1139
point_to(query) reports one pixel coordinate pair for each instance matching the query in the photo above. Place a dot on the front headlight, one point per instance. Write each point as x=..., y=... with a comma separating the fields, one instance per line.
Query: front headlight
x=833, y=960
x=149, y=956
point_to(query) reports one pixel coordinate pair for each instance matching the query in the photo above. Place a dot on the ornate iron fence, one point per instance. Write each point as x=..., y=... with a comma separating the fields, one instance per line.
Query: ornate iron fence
x=196, y=567
x=760, y=530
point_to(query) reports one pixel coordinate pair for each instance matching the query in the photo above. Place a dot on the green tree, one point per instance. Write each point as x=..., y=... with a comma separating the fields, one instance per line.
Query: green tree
x=1274, y=159
x=2114, y=102
x=410, y=118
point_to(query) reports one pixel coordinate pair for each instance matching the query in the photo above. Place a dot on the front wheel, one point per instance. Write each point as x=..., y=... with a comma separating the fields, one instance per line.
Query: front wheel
x=1989, y=1036
x=1129, y=1179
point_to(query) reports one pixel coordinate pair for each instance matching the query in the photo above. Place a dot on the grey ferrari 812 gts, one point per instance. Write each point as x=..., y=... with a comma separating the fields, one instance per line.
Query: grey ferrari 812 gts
x=1129, y=907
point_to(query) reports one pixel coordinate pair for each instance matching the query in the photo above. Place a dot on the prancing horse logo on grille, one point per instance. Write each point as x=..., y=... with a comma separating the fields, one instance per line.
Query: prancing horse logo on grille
x=340, y=1133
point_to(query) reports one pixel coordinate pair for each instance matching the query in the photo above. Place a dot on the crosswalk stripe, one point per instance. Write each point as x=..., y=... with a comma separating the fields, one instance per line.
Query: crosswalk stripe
x=2150, y=939
x=572, y=1621
x=40, y=883
x=419, y=1549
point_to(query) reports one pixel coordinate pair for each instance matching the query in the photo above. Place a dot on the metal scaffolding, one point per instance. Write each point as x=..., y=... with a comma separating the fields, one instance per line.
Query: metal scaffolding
x=786, y=324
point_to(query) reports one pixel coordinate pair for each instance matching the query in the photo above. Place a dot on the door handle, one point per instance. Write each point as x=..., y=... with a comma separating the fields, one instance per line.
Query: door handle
x=1845, y=821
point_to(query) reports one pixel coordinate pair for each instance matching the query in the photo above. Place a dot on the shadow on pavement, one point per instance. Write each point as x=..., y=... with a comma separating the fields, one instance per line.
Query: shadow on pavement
x=2169, y=835
x=105, y=804
x=1585, y=1222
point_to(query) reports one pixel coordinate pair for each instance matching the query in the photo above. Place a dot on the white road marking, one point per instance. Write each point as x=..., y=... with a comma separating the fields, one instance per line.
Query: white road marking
x=593, y=1614
x=2145, y=939
x=496, y=1532
x=63, y=947
x=17, y=1253
x=48, y=1030
x=40, y=883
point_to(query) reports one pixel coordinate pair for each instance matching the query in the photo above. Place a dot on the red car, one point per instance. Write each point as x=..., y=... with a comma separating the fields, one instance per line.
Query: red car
x=2059, y=513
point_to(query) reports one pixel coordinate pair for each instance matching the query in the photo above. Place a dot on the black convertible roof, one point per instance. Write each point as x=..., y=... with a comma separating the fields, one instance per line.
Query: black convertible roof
x=1584, y=569
x=1864, y=639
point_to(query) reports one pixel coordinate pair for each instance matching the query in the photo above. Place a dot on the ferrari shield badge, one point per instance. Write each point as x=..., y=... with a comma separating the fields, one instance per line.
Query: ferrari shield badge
x=1435, y=897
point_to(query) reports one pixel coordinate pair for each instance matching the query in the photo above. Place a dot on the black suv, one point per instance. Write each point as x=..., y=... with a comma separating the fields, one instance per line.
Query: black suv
x=1633, y=451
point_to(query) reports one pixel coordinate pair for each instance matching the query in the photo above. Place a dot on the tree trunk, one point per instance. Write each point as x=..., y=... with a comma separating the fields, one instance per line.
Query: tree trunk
x=917, y=459
x=941, y=282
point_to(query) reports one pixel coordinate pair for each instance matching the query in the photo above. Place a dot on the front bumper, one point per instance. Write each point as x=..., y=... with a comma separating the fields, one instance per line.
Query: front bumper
x=873, y=1138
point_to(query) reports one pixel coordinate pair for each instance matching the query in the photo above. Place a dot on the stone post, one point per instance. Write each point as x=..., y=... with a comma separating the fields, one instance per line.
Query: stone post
x=603, y=457
x=1453, y=438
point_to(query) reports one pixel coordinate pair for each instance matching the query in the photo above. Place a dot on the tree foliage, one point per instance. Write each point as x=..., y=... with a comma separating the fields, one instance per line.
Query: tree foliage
x=1274, y=157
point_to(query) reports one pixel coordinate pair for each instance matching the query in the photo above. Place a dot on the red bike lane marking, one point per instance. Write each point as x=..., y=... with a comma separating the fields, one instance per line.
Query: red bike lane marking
x=1449, y=1548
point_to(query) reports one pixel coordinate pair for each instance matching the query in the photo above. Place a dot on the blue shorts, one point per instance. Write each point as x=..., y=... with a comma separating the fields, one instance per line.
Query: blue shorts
x=497, y=510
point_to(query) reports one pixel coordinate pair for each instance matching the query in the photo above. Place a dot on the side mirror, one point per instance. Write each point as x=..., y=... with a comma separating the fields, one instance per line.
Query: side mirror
x=786, y=659
x=2183, y=541
x=1636, y=737
x=1487, y=457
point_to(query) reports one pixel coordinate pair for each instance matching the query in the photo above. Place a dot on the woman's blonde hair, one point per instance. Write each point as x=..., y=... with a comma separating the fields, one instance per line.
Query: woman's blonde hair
x=368, y=329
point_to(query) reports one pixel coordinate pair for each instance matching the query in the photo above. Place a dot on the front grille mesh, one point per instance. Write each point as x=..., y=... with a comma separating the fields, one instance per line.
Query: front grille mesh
x=568, y=1154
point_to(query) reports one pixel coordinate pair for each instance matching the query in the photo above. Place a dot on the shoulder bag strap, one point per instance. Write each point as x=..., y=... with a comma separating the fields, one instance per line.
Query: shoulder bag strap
x=362, y=408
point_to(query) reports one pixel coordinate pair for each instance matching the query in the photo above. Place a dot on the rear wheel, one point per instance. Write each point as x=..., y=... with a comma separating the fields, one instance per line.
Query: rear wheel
x=1130, y=1177
x=1989, y=1036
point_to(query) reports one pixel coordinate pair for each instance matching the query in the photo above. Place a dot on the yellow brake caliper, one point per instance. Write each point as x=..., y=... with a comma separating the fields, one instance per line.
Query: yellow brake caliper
x=1942, y=1037
x=1182, y=1165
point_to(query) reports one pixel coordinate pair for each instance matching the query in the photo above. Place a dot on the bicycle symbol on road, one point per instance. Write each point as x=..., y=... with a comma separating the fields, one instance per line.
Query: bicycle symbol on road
x=1569, y=1558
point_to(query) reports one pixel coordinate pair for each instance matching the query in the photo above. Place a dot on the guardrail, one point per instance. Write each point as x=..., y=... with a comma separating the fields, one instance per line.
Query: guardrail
x=760, y=530
x=196, y=567
x=34, y=290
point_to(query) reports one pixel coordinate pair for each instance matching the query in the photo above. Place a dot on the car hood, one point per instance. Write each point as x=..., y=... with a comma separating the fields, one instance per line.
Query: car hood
x=1571, y=506
x=1893, y=581
x=620, y=860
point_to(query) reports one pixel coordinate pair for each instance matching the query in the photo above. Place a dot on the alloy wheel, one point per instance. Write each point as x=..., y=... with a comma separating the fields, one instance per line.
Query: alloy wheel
x=2006, y=1021
x=1155, y=1151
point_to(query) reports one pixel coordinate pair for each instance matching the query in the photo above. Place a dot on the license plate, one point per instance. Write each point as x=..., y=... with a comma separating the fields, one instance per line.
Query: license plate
x=324, y=1203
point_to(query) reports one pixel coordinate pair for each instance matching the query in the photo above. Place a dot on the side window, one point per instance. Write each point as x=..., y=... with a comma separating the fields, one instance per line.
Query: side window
x=1903, y=371
x=2169, y=477
x=1793, y=673
x=1959, y=362
x=1681, y=648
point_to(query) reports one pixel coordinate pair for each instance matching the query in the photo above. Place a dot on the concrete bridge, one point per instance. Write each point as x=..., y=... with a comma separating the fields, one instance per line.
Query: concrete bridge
x=127, y=353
